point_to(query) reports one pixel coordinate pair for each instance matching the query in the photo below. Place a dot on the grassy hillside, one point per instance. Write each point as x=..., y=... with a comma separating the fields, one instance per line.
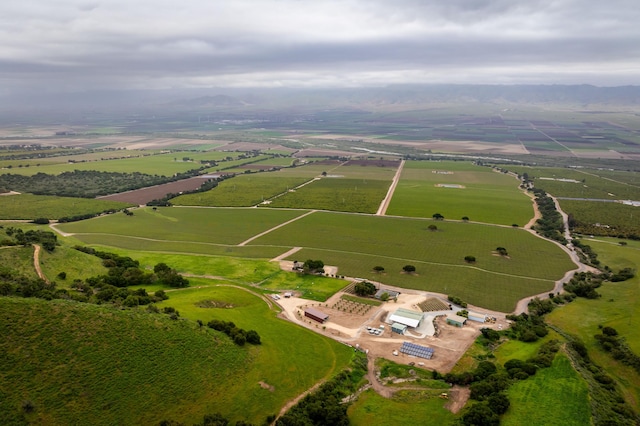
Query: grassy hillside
x=87, y=364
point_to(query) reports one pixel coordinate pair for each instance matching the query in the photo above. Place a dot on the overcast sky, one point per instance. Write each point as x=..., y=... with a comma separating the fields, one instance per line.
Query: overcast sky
x=105, y=44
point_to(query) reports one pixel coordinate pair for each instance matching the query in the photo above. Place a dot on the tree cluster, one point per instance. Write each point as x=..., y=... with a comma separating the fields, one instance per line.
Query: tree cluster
x=611, y=342
x=550, y=225
x=238, y=335
x=365, y=288
x=48, y=239
x=311, y=266
x=527, y=327
x=88, y=183
x=457, y=301
x=584, y=284
x=124, y=271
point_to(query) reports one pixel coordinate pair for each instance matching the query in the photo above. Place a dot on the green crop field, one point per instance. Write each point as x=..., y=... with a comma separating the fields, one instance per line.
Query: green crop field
x=173, y=224
x=554, y=396
x=603, y=218
x=241, y=191
x=338, y=194
x=29, y=206
x=76, y=265
x=162, y=165
x=481, y=194
x=410, y=240
x=590, y=183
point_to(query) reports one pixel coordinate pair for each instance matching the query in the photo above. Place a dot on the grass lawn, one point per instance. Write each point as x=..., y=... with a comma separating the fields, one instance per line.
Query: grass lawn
x=87, y=364
x=18, y=260
x=554, y=396
x=29, y=206
x=617, y=308
x=282, y=360
x=76, y=264
x=405, y=408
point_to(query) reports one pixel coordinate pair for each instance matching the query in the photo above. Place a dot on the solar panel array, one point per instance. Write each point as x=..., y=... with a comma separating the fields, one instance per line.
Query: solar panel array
x=416, y=350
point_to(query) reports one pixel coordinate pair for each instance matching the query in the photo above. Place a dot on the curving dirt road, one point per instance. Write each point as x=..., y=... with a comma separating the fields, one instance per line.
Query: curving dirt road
x=36, y=263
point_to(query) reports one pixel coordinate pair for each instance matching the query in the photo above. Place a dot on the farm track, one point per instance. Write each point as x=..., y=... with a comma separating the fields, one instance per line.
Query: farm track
x=382, y=210
x=36, y=263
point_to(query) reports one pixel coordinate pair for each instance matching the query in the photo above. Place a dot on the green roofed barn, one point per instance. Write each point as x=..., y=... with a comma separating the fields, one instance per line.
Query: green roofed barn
x=406, y=317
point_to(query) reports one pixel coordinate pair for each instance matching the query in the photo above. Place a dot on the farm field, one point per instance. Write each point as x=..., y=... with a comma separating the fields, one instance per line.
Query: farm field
x=241, y=191
x=161, y=164
x=593, y=217
x=177, y=224
x=410, y=240
x=553, y=396
x=598, y=184
x=337, y=194
x=456, y=190
x=30, y=207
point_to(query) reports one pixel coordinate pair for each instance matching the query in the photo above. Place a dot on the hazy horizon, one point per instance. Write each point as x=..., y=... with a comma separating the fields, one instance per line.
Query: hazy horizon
x=81, y=46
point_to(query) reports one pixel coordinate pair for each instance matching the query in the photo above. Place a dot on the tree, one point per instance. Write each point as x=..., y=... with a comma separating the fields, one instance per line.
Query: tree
x=378, y=269
x=470, y=259
x=498, y=403
x=502, y=251
x=409, y=269
x=313, y=266
x=480, y=415
x=364, y=288
x=384, y=297
x=465, y=218
x=432, y=228
x=437, y=216
x=324, y=173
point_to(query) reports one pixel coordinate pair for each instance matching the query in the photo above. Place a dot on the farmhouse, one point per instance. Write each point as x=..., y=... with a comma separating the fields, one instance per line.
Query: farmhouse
x=392, y=294
x=456, y=320
x=406, y=317
x=474, y=316
x=316, y=315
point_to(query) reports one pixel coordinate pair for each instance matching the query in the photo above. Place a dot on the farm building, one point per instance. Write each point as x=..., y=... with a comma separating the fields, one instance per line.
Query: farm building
x=396, y=327
x=392, y=294
x=416, y=350
x=316, y=315
x=474, y=316
x=456, y=320
x=406, y=317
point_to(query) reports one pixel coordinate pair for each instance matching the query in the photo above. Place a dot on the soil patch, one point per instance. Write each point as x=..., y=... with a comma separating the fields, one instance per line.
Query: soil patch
x=266, y=386
x=214, y=304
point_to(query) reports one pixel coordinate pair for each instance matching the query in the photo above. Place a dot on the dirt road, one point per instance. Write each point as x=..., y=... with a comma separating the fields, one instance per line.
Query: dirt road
x=382, y=210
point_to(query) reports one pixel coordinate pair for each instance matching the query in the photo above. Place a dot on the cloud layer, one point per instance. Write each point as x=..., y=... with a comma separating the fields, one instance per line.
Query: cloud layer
x=84, y=44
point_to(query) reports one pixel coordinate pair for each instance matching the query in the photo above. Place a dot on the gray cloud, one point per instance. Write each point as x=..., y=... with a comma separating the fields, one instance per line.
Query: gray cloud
x=77, y=45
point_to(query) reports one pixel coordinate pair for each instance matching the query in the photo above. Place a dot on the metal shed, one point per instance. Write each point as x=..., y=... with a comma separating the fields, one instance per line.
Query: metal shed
x=406, y=317
x=456, y=320
x=398, y=328
x=474, y=316
x=316, y=315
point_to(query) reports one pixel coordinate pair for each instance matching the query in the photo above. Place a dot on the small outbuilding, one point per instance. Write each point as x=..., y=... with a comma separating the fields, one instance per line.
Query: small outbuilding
x=474, y=316
x=398, y=328
x=316, y=315
x=456, y=320
x=392, y=294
